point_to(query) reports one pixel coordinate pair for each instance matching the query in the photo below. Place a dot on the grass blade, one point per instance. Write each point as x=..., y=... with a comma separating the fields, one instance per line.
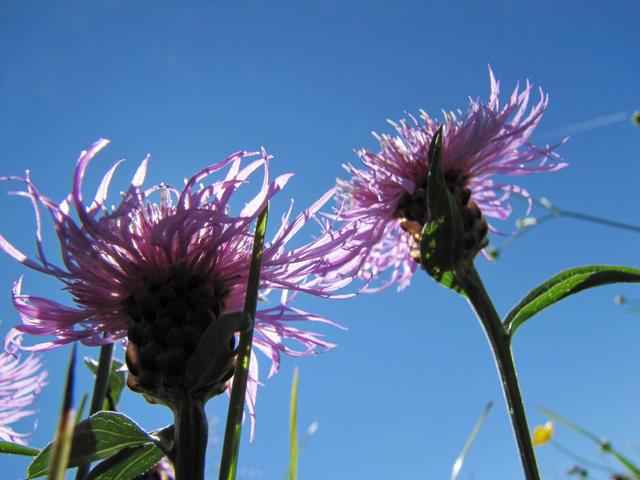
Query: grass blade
x=60, y=457
x=83, y=405
x=229, y=461
x=457, y=465
x=293, y=428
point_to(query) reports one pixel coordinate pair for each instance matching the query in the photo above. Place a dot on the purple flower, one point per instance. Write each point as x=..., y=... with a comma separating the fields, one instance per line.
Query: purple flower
x=168, y=253
x=20, y=385
x=387, y=198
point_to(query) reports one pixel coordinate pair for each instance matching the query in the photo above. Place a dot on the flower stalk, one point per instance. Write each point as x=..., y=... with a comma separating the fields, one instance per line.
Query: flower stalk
x=448, y=246
x=228, y=466
x=500, y=344
x=191, y=438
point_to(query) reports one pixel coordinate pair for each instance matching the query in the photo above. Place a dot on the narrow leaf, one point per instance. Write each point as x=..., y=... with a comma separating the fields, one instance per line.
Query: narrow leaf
x=127, y=463
x=100, y=436
x=15, y=449
x=457, y=465
x=308, y=434
x=293, y=428
x=229, y=460
x=62, y=446
x=83, y=405
x=564, y=284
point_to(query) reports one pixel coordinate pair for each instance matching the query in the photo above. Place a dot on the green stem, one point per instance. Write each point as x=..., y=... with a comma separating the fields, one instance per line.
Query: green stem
x=191, y=432
x=102, y=378
x=600, y=220
x=99, y=392
x=231, y=446
x=501, y=348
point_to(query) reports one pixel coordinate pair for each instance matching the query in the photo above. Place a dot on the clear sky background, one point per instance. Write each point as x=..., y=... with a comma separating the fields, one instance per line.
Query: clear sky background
x=191, y=82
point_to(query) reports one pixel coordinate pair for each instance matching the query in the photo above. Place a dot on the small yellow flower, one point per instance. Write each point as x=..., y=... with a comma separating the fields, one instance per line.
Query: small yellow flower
x=542, y=434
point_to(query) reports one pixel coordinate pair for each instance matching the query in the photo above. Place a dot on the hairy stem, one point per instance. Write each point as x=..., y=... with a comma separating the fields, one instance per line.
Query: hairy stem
x=501, y=348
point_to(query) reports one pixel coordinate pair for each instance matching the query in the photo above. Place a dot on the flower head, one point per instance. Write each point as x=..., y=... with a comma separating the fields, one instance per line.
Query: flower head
x=20, y=385
x=387, y=197
x=165, y=263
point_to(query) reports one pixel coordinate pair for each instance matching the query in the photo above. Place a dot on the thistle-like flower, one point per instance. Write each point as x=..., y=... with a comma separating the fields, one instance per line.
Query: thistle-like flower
x=162, y=272
x=20, y=384
x=388, y=197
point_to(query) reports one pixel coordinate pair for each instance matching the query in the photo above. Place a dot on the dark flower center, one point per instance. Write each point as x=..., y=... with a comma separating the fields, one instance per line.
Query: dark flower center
x=412, y=214
x=168, y=320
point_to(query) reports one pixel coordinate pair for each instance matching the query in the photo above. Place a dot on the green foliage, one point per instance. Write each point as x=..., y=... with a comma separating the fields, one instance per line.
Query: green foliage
x=563, y=285
x=15, y=449
x=58, y=457
x=441, y=243
x=116, y=382
x=293, y=428
x=127, y=463
x=231, y=445
x=83, y=405
x=100, y=436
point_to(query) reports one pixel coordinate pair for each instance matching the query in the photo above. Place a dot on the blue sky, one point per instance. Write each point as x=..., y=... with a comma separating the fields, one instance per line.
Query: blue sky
x=191, y=82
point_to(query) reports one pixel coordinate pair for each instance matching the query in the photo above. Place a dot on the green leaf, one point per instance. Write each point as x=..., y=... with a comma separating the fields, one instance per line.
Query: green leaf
x=83, y=404
x=127, y=463
x=233, y=428
x=15, y=449
x=100, y=436
x=59, y=457
x=293, y=428
x=564, y=284
x=441, y=244
x=604, y=445
x=457, y=465
x=117, y=381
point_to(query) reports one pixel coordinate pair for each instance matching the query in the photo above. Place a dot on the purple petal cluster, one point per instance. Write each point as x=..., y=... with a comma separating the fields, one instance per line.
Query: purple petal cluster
x=110, y=254
x=489, y=140
x=20, y=384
